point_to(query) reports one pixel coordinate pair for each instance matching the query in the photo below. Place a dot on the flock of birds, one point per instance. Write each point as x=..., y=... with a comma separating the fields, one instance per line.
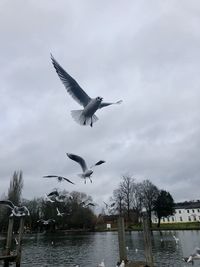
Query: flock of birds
x=85, y=116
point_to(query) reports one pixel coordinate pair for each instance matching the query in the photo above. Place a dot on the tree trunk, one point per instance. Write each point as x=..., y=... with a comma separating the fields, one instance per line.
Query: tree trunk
x=158, y=225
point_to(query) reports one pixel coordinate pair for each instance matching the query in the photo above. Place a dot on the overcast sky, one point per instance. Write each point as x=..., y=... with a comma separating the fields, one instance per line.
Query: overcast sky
x=144, y=52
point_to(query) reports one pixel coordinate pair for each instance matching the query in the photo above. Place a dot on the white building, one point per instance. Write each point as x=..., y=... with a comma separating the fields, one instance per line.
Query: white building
x=184, y=212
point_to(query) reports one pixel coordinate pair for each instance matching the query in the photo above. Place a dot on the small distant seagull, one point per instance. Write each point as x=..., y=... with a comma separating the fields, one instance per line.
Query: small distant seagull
x=56, y=196
x=53, y=194
x=59, y=178
x=122, y=264
x=86, y=172
x=90, y=204
x=48, y=199
x=102, y=264
x=109, y=206
x=16, y=211
x=106, y=205
x=46, y=222
x=16, y=241
x=86, y=116
x=176, y=239
x=59, y=213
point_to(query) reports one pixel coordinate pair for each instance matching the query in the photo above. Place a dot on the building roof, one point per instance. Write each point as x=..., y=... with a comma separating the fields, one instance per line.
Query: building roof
x=188, y=205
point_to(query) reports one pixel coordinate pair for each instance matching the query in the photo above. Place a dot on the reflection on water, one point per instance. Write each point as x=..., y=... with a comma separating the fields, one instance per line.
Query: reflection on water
x=87, y=250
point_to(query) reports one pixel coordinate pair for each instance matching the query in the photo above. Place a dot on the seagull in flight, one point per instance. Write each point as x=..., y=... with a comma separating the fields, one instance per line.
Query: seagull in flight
x=194, y=256
x=56, y=196
x=86, y=116
x=59, y=178
x=16, y=211
x=86, y=172
x=59, y=213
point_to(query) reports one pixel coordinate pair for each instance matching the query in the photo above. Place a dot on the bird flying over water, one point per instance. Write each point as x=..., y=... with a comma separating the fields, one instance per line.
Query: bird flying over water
x=16, y=211
x=86, y=116
x=59, y=178
x=193, y=256
x=86, y=172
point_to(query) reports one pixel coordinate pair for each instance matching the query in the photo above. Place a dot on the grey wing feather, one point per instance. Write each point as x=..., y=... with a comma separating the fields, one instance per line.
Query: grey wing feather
x=68, y=180
x=7, y=203
x=71, y=85
x=197, y=250
x=105, y=104
x=50, y=176
x=78, y=159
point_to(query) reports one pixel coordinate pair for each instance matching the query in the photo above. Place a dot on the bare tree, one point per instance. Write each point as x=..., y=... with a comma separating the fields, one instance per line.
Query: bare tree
x=16, y=186
x=137, y=201
x=117, y=198
x=126, y=189
x=148, y=193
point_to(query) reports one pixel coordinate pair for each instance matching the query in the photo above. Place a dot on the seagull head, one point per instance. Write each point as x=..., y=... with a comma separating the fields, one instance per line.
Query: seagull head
x=99, y=99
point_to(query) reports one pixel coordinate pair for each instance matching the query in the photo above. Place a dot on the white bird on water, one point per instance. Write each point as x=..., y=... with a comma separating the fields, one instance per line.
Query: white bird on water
x=86, y=172
x=176, y=239
x=194, y=256
x=122, y=264
x=102, y=264
x=16, y=211
x=85, y=116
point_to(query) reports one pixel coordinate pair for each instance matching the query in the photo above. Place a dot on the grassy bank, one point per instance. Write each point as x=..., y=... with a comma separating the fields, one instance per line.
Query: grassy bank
x=166, y=226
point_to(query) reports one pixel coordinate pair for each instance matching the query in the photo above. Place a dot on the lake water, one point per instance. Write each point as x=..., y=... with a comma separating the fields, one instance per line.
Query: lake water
x=88, y=249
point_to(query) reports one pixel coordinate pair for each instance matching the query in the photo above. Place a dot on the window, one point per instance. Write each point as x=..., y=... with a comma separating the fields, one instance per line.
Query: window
x=188, y=211
x=189, y=219
x=179, y=211
x=193, y=211
x=168, y=219
x=163, y=219
x=195, y=218
x=172, y=219
x=181, y=219
x=198, y=210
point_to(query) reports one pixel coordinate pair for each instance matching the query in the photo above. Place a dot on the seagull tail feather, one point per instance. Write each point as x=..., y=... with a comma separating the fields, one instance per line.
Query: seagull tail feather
x=80, y=118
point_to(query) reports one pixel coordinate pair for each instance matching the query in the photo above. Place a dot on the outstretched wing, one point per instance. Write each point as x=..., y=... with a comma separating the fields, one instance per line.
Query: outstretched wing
x=59, y=178
x=69, y=181
x=50, y=176
x=8, y=203
x=90, y=204
x=71, y=85
x=98, y=163
x=53, y=193
x=79, y=160
x=105, y=104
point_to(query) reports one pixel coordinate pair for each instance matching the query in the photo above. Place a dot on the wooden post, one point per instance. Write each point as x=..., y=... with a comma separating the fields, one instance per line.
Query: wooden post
x=147, y=240
x=18, y=250
x=121, y=239
x=9, y=240
x=9, y=235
